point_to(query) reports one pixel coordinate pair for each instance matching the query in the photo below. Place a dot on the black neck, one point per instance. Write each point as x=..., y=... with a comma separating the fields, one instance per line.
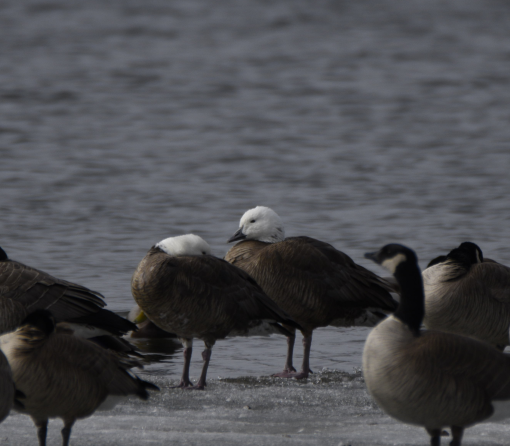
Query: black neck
x=411, y=308
x=3, y=255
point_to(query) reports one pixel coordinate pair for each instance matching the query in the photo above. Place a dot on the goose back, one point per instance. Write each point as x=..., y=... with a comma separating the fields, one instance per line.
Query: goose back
x=312, y=281
x=471, y=301
x=24, y=289
x=199, y=296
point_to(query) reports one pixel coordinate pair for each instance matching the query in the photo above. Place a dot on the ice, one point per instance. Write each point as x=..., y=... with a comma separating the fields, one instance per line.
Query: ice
x=332, y=408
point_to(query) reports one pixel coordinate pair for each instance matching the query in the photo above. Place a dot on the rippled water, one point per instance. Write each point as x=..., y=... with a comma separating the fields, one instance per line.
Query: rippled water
x=360, y=123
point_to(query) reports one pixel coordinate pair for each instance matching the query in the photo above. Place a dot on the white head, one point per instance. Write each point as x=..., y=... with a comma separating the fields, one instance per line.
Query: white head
x=184, y=245
x=262, y=224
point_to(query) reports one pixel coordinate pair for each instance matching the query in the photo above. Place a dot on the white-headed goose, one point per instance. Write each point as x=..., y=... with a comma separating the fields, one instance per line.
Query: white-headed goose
x=469, y=295
x=430, y=378
x=24, y=289
x=64, y=376
x=311, y=280
x=185, y=290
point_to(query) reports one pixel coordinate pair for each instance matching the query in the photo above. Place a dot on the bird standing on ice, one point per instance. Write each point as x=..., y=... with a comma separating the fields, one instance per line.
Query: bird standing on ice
x=185, y=290
x=316, y=284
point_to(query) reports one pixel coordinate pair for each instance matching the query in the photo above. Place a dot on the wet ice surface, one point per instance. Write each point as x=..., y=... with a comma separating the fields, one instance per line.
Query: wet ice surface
x=332, y=409
x=244, y=405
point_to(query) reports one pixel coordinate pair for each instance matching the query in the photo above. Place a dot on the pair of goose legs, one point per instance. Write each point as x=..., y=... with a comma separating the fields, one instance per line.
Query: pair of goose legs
x=288, y=372
x=42, y=430
x=436, y=434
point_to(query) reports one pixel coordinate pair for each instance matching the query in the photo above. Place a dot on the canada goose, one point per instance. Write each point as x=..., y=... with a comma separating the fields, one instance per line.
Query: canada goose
x=185, y=290
x=316, y=284
x=469, y=295
x=64, y=376
x=430, y=378
x=24, y=289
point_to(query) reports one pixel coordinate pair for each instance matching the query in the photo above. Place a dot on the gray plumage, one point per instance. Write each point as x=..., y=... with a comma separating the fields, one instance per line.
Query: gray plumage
x=201, y=296
x=468, y=295
x=64, y=376
x=309, y=279
x=430, y=378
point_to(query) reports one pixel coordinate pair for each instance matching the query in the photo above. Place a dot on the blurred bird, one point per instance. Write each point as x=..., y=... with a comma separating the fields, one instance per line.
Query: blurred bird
x=64, y=376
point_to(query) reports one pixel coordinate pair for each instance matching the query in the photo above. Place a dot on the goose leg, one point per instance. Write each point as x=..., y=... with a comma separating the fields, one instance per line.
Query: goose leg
x=289, y=368
x=435, y=437
x=42, y=429
x=188, y=350
x=200, y=385
x=66, y=432
x=457, y=433
x=305, y=367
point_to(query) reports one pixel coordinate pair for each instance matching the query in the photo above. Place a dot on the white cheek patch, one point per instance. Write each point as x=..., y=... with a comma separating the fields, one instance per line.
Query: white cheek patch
x=391, y=264
x=478, y=260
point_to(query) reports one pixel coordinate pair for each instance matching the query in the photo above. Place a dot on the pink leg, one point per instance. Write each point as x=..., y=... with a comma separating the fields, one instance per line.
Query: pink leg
x=305, y=367
x=200, y=385
x=185, y=381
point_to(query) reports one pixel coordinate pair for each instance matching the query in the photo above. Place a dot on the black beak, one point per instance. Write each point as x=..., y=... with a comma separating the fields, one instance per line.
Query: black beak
x=237, y=236
x=372, y=256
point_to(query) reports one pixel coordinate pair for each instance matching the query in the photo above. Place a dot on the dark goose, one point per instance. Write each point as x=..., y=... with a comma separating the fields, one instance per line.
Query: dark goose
x=185, y=290
x=316, y=284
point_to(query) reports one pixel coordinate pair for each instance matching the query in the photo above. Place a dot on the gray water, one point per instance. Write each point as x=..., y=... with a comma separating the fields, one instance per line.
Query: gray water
x=360, y=123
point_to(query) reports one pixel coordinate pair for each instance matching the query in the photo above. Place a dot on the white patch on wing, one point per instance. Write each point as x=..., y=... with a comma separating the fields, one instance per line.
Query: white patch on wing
x=392, y=263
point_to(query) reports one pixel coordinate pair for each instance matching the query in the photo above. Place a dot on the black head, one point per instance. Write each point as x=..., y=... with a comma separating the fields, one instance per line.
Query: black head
x=41, y=319
x=467, y=254
x=3, y=255
x=392, y=255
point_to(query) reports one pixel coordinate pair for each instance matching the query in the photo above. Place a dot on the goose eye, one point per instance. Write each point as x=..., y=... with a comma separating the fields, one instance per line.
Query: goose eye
x=204, y=253
x=252, y=221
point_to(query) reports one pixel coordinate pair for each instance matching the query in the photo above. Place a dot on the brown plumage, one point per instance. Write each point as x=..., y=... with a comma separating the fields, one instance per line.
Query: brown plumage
x=201, y=296
x=430, y=378
x=468, y=295
x=64, y=376
x=24, y=289
x=311, y=280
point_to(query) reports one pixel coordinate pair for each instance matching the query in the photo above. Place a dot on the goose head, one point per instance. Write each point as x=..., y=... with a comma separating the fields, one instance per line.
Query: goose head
x=184, y=245
x=260, y=223
x=467, y=254
x=393, y=257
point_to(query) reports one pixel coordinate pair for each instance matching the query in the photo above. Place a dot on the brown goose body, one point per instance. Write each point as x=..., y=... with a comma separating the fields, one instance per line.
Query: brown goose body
x=316, y=284
x=313, y=282
x=469, y=297
x=24, y=289
x=201, y=296
x=64, y=376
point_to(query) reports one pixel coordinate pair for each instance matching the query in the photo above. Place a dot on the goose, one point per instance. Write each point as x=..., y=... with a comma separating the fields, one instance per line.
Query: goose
x=24, y=289
x=313, y=282
x=185, y=290
x=430, y=378
x=64, y=376
x=468, y=295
